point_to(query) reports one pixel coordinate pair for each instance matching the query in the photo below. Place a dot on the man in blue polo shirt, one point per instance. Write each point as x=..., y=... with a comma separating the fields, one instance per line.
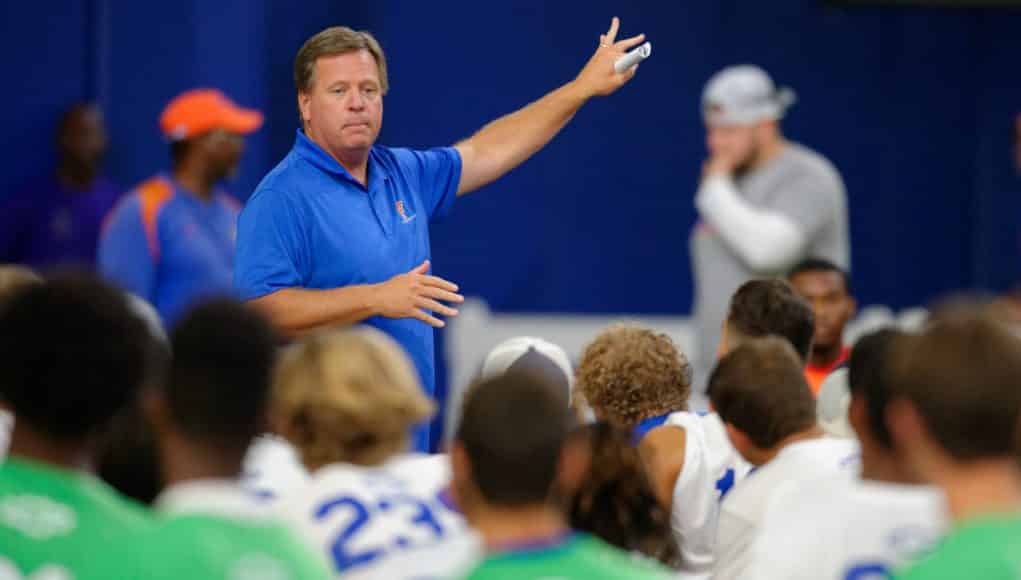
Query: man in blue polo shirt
x=172, y=240
x=338, y=232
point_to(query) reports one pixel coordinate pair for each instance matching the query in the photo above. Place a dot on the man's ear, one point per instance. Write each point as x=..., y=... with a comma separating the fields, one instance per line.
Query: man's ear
x=905, y=423
x=305, y=106
x=460, y=474
x=155, y=409
x=741, y=442
x=573, y=465
x=858, y=416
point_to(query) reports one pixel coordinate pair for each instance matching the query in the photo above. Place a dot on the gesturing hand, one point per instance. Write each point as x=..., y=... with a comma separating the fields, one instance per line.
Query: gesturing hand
x=412, y=294
x=598, y=76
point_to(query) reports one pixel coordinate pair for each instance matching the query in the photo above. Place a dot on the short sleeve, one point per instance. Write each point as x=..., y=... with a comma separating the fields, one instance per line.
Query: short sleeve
x=810, y=201
x=271, y=250
x=127, y=254
x=439, y=173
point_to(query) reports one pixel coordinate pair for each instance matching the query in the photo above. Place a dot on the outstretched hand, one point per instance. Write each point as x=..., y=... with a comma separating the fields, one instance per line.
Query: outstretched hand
x=598, y=77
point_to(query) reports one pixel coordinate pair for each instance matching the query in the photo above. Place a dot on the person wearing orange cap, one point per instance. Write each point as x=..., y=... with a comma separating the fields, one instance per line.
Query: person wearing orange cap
x=171, y=241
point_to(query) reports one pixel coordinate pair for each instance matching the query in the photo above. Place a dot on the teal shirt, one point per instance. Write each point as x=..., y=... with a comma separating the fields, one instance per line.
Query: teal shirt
x=578, y=557
x=57, y=524
x=988, y=548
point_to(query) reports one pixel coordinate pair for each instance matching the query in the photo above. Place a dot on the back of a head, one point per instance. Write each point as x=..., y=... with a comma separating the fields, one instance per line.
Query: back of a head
x=962, y=375
x=223, y=355
x=74, y=354
x=771, y=307
x=760, y=389
x=867, y=377
x=14, y=278
x=351, y=396
x=512, y=430
x=630, y=373
x=531, y=354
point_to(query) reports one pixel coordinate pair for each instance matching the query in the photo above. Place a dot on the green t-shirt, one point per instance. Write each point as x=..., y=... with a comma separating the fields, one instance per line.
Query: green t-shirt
x=988, y=548
x=58, y=524
x=207, y=546
x=580, y=557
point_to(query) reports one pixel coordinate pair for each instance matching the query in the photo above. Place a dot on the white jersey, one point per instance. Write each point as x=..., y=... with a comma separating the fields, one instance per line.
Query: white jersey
x=836, y=528
x=272, y=467
x=744, y=508
x=387, y=522
x=711, y=468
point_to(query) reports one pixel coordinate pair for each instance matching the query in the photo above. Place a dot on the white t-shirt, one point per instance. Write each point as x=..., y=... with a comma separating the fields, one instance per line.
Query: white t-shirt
x=711, y=467
x=837, y=529
x=387, y=522
x=744, y=508
x=272, y=466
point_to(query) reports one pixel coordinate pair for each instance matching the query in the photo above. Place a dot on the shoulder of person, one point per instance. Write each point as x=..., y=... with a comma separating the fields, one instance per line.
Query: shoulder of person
x=811, y=163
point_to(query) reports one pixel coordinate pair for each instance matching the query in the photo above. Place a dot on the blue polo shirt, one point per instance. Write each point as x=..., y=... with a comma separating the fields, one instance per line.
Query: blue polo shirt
x=310, y=224
x=169, y=246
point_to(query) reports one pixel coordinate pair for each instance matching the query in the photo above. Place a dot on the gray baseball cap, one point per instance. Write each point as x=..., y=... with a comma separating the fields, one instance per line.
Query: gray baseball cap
x=744, y=95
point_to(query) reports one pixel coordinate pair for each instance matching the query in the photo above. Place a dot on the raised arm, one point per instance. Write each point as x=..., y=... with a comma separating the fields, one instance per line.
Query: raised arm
x=508, y=141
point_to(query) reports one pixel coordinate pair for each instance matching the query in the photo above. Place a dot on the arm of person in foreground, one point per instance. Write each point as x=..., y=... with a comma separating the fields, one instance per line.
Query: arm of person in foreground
x=508, y=141
x=410, y=295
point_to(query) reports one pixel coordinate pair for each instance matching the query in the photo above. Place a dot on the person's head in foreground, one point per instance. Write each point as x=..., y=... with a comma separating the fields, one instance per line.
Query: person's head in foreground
x=827, y=288
x=340, y=77
x=741, y=109
x=349, y=396
x=761, y=395
x=868, y=382
x=528, y=353
x=214, y=399
x=630, y=373
x=953, y=416
x=614, y=500
x=74, y=355
x=511, y=458
x=206, y=131
x=14, y=278
x=761, y=308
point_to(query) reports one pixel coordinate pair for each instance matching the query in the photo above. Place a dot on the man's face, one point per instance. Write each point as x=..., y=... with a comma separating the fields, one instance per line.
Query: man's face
x=224, y=150
x=344, y=109
x=832, y=305
x=736, y=142
x=83, y=137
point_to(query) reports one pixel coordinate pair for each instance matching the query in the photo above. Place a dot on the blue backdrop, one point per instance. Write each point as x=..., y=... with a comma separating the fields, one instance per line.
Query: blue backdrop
x=914, y=106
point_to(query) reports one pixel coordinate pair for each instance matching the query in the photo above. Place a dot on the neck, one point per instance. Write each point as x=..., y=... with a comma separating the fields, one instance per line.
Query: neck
x=194, y=180
x=983, y=487
x=769, y=150
x=184, y=461
x=76, y=175
x=766, y=455
x=29, y=444
x=824, y=356
x=356, y=162
x=508, y=526
x=880, y=465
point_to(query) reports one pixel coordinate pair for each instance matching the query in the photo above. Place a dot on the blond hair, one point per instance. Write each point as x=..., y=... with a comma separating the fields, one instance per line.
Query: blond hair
x=331, y=42
x=630, y=373
x=14, y=278
x=350, y=396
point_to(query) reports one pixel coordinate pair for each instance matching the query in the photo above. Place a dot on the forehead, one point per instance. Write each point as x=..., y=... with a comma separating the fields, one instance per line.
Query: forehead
x=818, y=281
x=357, y=66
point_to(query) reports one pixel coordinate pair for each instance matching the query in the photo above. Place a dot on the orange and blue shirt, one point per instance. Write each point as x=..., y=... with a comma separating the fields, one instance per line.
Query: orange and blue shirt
x=169, y=246
x=311, y=224
x=815, y=374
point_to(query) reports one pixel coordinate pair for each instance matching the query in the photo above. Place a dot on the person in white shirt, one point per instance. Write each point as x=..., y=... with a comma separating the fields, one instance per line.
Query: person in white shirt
x=691, y=461
x=840, y=528
x=760, y=392
x=635, y=378
x=347, y=401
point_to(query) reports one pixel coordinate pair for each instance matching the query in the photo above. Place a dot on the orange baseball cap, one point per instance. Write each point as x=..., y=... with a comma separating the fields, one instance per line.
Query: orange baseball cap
x=198, y=111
